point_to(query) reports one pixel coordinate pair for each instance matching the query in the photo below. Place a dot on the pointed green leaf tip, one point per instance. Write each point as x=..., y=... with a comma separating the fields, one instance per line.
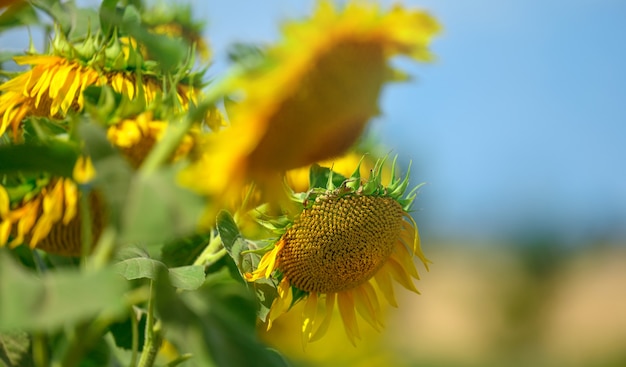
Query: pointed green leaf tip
x=325, y=181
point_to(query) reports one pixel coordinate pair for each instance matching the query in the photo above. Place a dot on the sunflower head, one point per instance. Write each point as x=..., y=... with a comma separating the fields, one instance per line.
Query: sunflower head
x=349, y=232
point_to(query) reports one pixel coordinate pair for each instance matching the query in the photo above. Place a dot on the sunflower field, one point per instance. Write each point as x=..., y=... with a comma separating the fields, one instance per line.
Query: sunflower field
x=153, y=213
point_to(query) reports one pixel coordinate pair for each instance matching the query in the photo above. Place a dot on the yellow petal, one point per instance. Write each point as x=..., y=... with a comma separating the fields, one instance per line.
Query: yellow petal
x=41, y=230
x=308, y=318
x=345, y=302
x=281, y=303
x=404, y=258
x=53, y=202
x=5, y=230
x=365, y=306
x=84, y=170
x=400, y=275
x=330, y=306
x=383, y=279
x=71, y=198
x=5, y=202
x=71, y=91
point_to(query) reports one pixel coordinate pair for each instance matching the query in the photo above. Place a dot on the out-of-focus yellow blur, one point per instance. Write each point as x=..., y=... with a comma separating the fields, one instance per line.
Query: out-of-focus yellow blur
x=489, y=305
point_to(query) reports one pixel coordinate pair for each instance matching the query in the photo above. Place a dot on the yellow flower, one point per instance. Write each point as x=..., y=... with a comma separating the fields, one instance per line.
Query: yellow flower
x=55, y=86
x=50, y=89
x=49, y=220
x=343, y=241
x=313, y=97
x=136, y=137
x=84, y=171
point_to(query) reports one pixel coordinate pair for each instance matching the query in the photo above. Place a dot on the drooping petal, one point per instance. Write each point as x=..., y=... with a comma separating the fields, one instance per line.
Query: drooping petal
x=330, y=306
x=281, y=303
x=345, y=302
x=4, y=202
x=71, y=199
x=400, y=275
x=365, y=306
x=405, y=258
x=383, y=279
x=308, y=318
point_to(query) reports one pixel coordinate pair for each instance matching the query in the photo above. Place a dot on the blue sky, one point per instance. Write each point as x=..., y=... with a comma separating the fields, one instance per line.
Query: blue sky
x=519, y=124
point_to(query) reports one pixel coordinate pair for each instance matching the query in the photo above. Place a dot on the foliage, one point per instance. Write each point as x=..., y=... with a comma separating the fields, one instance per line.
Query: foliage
x=136, y=196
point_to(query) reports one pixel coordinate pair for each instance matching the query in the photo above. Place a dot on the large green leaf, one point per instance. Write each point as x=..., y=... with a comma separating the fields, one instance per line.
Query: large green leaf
x=113, y=174
x=156, y=202
x=17, y=14
x=235, y=244
x=216, y=323
x=185, y=277
x=55, y=157
x=56, y=298
x=184, y=251
x=122, y=332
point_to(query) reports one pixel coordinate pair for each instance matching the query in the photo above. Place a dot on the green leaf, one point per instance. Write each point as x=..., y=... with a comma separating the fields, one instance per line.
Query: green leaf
x=139, y=267
x=319, y=177
x=156, y=201
x=107, y=6
x=123, y=332
x=99, y=355
x=245, y=54
x=15, y=349
x=57, y=298
x=66, y=15
x=170, y=53
x=188, y=277
x=234, y=243
x=55, y=157
x=184, y=251
x=216, y=323
x=185, y=277
x=17, y=14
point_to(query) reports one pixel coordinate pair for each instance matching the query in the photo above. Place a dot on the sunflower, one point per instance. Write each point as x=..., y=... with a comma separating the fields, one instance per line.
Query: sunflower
x=136, y=136
x=176, y=21
x=312, y=97
x=47, y=218
x=347, y=242
x=55, y=84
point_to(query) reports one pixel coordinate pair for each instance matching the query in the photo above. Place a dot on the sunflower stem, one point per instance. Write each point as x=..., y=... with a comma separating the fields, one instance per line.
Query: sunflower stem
x=84, y=337
x=40, y=350
x=153, y=338
x=85, y=226
x=211, y=253
x=104, y=249
x=135, y=338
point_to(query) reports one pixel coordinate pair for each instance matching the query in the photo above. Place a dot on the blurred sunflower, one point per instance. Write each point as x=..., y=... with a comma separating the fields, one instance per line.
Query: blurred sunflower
x=55, y=84
x=135, y=137
x=175, y=20
x=343, y=240
x=311, y=98
x=47, y=217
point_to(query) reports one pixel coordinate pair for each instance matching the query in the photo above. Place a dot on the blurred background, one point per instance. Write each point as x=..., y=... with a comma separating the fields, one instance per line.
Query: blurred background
x=518, y=129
